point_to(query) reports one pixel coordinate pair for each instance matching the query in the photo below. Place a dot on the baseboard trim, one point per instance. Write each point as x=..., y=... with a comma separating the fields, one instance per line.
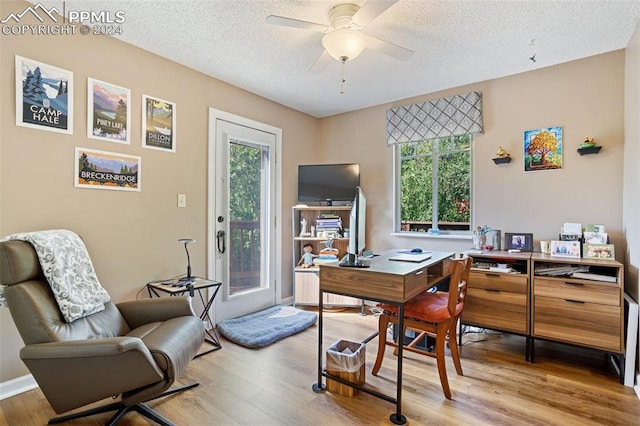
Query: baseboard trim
x=18, y=385
x=637, y=386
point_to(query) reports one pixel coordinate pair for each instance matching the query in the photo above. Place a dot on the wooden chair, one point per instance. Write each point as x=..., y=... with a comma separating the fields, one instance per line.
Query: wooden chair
x=430, y=314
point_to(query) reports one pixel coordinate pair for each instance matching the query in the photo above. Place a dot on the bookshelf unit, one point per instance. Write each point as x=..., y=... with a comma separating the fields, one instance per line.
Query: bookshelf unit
x=306, y=280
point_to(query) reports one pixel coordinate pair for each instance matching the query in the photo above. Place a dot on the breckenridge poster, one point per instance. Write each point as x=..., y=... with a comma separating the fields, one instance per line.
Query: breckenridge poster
x=108, y=112
x=107, y=170
x=44, y=96
x=158, y=124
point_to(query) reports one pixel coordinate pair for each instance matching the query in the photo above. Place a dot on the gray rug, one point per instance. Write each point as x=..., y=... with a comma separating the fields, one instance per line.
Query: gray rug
x=266, y=327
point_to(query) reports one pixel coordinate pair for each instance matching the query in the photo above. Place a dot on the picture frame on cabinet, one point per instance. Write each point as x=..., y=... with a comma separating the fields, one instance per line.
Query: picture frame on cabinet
x=518, y=241
x=565, y=249
x=599, y=251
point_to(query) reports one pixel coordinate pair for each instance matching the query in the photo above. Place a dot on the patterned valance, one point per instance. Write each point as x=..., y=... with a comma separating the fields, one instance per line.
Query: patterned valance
x=454, y=116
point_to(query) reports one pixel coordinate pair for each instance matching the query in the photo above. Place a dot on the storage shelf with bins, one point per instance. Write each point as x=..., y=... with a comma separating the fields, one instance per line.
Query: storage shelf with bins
x=306, y=280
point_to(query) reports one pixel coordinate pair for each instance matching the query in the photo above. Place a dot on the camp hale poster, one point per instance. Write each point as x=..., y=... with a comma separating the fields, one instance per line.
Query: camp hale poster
x=158, y=124
x=44, y=96
x=108, y=112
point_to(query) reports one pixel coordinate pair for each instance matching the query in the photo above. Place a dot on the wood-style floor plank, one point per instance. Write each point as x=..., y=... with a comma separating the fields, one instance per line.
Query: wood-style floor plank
x=272, y=386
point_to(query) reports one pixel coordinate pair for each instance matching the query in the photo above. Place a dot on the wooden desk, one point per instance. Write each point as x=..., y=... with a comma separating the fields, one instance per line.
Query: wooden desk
x=386, y=281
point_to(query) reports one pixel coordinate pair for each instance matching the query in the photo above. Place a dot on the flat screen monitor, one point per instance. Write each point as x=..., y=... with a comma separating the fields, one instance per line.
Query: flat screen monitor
x=327, y=182
x=357, y=231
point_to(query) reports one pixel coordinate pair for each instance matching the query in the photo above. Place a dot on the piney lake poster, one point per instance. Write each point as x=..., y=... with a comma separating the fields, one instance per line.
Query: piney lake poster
x=44, y=96
x=108, y=112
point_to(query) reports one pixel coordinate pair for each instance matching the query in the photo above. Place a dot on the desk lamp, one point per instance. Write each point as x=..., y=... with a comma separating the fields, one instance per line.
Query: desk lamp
x=188, y=279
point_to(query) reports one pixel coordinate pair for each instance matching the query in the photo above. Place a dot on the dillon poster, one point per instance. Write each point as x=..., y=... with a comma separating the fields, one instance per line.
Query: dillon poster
x=158, y=124
x=107, y=170
x=44, y=96
x=108, y=112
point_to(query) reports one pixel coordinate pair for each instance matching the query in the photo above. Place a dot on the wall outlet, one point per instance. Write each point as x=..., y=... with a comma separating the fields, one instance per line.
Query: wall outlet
x=182, y=200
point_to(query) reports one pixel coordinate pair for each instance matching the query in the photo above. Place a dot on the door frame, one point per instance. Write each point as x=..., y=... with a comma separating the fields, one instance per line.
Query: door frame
x=216, y=115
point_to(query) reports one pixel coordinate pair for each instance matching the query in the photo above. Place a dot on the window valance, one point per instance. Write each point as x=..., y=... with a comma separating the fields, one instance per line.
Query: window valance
x=454, y=116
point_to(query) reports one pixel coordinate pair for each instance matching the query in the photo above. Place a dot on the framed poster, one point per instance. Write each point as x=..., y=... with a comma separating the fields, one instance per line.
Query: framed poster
x=44, y=96
x=158, y=124
x=543, y=149
x=106, y=170
x=108, y=112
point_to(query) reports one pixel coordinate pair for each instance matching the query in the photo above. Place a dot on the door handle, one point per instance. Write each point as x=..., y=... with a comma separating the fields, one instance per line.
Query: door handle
x=220, y=241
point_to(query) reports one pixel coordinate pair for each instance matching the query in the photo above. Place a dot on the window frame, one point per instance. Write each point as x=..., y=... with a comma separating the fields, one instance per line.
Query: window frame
x=397, y=195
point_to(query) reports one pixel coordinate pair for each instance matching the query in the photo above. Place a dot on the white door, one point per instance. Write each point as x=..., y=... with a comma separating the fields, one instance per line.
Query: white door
x=243, y=231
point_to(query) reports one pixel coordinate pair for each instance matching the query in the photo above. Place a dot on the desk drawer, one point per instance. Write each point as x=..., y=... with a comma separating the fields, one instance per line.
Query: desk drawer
x=499, y=310
x=515, y=283
x=578, y=290
x=583, y=323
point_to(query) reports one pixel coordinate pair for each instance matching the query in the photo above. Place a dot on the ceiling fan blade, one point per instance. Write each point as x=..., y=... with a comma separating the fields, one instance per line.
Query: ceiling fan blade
x=321, y=63
x=371, y=10
x=296, y=23
x=389, y=49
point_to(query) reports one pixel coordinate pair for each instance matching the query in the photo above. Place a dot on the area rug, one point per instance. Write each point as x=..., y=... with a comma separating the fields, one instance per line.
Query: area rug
x=266, y=327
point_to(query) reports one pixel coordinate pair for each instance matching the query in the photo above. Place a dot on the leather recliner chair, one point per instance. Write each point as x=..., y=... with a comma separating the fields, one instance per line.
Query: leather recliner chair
x=134, y=349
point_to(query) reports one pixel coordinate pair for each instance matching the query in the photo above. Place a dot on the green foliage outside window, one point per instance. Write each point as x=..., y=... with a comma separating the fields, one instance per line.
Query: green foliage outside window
x=418, y=162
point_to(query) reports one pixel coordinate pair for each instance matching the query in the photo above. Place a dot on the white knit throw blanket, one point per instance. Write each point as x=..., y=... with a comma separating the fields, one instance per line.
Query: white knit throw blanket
x=68, y=268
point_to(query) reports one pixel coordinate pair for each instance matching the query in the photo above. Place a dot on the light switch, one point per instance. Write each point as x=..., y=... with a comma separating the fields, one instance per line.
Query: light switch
x=182, y=200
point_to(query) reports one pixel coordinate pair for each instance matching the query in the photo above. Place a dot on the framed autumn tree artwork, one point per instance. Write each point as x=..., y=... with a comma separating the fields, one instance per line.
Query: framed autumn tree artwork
x=543, y=149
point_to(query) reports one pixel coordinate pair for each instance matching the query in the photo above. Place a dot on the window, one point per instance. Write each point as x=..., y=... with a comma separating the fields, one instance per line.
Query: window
x=434, y=185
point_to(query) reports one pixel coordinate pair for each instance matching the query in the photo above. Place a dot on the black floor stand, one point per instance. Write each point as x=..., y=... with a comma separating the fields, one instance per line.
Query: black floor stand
x=122, y=409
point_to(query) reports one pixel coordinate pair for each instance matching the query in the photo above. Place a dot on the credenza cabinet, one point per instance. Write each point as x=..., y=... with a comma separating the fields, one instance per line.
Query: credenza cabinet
x=585, y=312
x=499, y=300
x=545, y=297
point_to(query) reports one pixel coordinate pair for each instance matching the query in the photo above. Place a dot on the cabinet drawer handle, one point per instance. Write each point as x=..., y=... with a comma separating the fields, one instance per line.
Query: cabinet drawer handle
x=572, y=283
x=492, y=289
x=573, y=301
x=419, y=272
x=492, y=275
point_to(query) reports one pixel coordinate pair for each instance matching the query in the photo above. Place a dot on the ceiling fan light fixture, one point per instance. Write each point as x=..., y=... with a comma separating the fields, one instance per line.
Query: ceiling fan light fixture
x=344, y=44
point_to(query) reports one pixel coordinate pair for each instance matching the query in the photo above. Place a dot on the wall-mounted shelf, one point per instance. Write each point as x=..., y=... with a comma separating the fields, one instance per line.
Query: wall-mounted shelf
x=501, y=160
x=589, y=150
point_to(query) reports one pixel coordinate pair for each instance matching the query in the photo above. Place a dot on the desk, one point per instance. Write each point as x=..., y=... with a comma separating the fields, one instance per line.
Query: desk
x=156, y=287
x=385, y=281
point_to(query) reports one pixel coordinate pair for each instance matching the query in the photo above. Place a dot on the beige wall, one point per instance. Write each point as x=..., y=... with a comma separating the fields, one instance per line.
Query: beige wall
x=631, y=201
x=584, y=96
x=131, y=236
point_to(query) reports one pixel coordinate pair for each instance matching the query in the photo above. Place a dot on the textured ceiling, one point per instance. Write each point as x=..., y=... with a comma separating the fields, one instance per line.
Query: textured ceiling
x=456, y=42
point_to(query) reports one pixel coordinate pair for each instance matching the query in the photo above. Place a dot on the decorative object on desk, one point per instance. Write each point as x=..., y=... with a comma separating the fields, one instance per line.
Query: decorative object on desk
x=307, y=257
x=480, y=237
x=545, y=247
x=592, y=237
x=266, y=327
x=518, y=241
x=599, y=251
x=543, y=149
x=565, y=249
x=494, y=238
x=188, y=279
x=502, y=156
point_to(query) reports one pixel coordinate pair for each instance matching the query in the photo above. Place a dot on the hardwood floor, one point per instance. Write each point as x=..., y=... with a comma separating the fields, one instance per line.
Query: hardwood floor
x=272, y=386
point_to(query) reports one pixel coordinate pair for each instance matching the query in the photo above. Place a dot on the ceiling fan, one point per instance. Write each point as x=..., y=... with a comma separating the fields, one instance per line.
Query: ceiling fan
x=343, y=39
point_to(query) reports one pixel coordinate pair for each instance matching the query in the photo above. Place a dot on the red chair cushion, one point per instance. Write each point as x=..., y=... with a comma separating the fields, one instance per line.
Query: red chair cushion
x=426, y=307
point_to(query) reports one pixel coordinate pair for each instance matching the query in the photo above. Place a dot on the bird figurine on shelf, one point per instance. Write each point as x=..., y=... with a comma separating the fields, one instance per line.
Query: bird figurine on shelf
x=501, y=153
x=588, y=143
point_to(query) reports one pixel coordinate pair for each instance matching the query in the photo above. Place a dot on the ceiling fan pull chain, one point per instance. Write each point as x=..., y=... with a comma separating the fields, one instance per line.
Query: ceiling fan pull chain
x=343, y=61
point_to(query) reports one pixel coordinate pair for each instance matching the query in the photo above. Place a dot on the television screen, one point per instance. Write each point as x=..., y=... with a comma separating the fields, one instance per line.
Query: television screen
x=327, y=182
